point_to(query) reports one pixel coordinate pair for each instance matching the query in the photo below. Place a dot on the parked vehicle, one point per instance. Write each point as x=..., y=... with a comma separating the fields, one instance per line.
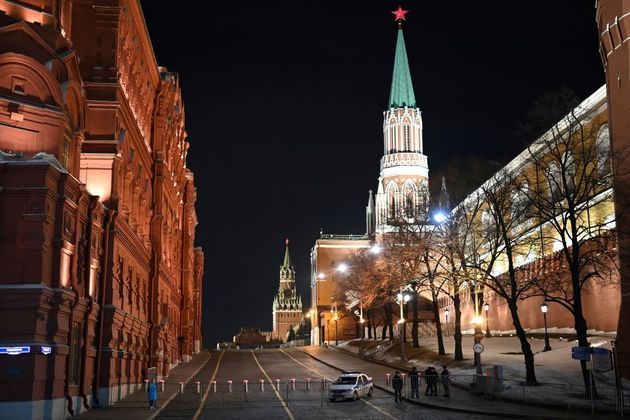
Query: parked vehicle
x=351, y=385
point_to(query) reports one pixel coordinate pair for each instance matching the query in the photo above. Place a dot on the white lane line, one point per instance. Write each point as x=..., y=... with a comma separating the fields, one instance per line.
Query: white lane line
x=325, y=377
x=205, y=395
x=284, y=404
x=163, y=406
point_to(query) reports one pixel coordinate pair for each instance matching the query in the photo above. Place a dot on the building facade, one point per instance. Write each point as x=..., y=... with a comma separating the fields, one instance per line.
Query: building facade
x=102, y=280
x=287, y=304
x=402, y=198
x=613, y=21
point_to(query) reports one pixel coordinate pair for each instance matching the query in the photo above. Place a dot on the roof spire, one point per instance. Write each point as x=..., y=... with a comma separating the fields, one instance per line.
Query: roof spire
x=401, y=94
x=287, y=258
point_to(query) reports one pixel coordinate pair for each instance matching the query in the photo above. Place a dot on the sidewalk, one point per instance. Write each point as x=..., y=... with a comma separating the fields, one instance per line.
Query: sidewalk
x=460, y=400
x=136, y=406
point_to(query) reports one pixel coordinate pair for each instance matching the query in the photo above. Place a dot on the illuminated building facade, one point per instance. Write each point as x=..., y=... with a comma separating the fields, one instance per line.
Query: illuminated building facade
x=101, y=280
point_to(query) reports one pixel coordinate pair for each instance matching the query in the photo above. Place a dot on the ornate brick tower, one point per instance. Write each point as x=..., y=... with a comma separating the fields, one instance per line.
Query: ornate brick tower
x=403, y=182
x=287, y=305
x=613, y=21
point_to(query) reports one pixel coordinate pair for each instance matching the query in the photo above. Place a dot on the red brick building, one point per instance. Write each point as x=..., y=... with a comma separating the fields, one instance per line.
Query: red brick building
x=100, y=277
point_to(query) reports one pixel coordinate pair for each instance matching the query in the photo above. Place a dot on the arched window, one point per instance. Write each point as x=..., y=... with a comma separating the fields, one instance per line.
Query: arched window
x=406, y=138
x=554, y=180
x=486, y=220
x=602, y=145
x=570, y=171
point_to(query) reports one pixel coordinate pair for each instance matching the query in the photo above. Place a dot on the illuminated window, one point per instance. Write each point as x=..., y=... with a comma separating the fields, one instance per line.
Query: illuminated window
x=406, y=138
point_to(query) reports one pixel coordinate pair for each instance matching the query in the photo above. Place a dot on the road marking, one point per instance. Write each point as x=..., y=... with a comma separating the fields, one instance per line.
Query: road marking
x=284, y=404
x=205, y=395
x=326, y=377
x=175, y=393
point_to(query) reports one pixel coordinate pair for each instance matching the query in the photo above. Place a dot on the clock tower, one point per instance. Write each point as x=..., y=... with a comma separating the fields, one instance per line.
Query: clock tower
x=287, y=305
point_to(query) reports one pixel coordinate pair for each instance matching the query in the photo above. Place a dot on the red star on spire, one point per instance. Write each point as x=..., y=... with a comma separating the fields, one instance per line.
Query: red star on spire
x=400, y=14
x=286, y=241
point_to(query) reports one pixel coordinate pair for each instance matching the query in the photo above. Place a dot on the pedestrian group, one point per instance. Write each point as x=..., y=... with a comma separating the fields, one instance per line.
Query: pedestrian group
x=431, y=377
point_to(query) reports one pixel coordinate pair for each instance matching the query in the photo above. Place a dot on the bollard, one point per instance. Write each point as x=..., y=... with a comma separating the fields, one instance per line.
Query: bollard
x=198, y=387
x=292, y=384
x=246, y=382
x=262, y=384
x=278, y=383
x=214, y=386
x=308, y=384
x=230, y=386
x=146, y=384
x=387, y=374
x=162, y=385
x=181, y=387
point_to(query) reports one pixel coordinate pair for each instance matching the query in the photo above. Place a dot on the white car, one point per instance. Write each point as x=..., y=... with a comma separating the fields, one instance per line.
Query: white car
x=351, y=385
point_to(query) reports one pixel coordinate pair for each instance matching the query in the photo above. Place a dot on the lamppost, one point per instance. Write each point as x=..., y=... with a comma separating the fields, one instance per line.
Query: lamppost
x=402, y=298
x=336, y=318
x=544, y=309
x=446, y=312
x=478, y=334
x=320, y=325
x=477, y=321
x=486, y=307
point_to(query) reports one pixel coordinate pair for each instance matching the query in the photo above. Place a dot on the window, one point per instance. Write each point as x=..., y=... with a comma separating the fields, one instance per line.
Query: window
x=406, y=138
x=554, y=180
x=75, y=353
x=602, y=145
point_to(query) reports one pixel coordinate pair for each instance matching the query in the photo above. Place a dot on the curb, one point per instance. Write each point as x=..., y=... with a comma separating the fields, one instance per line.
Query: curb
x=429, y=405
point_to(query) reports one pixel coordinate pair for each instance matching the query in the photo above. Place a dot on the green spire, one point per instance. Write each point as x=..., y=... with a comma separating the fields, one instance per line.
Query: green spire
x=401, y=94
x=287, y=258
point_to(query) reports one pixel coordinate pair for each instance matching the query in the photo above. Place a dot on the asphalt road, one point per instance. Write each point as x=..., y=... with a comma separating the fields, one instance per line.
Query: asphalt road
x=232, y=401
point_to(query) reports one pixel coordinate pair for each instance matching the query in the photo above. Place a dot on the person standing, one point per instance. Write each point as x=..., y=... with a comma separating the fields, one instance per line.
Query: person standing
x=414, y=378
x=152, y=394
x=446, y=378
x=427, y=379
x=397, y=384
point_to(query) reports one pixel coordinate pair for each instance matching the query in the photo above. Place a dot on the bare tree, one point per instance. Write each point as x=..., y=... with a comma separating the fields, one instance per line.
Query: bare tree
x=570, y=188
x=452, y=248
x=497, y=221
x=406, y=258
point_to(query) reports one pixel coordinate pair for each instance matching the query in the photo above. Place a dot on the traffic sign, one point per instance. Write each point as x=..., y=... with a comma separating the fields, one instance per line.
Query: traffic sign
x=581, y=353
x=478, y=336
x=478, y=348
x=589, y=365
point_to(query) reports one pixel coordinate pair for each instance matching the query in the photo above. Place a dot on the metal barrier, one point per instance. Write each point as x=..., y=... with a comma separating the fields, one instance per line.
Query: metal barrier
x=254, y=393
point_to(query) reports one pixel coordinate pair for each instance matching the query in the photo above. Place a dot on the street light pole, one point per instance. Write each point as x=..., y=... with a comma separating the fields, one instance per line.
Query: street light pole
x=486, y=307
x=402, y=298
x=478, y=333
x=448, y=328
x=544, y=309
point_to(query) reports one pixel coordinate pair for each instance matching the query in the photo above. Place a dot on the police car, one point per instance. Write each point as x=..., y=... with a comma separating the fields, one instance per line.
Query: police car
x=351, y=385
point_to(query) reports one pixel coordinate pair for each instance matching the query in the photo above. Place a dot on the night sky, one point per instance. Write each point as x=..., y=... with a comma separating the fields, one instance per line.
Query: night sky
x=284, y=105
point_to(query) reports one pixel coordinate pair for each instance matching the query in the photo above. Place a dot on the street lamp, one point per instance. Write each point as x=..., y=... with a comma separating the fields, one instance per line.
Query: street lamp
x=336, y=318
x=402, y=298
x=486, y=307
x=477, y=322
x=544, y=309
x=446, y=312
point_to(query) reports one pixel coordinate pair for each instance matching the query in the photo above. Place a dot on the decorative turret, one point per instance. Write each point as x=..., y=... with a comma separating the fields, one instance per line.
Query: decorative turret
x=403, y=182
x=370, y=213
